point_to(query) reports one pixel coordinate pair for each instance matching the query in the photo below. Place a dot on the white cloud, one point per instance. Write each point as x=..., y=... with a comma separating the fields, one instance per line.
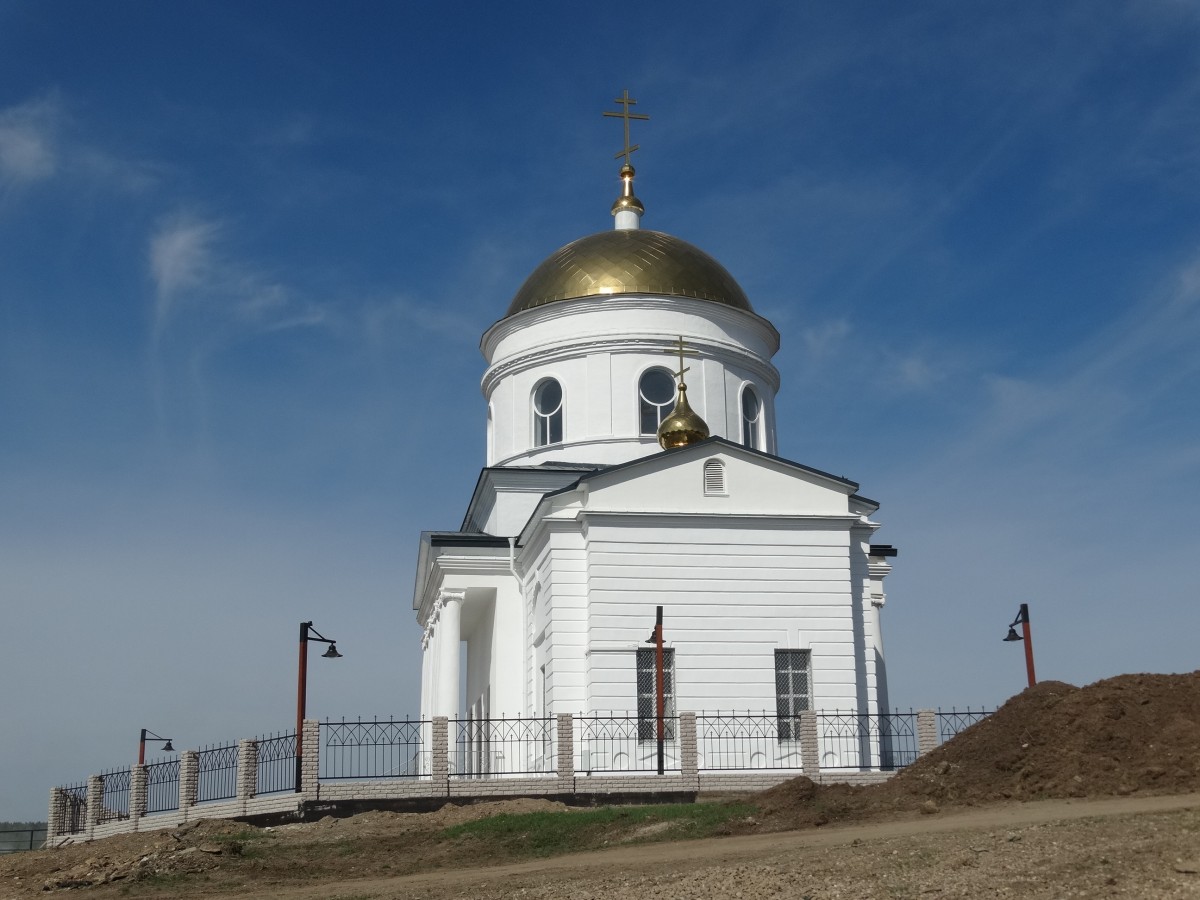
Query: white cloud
x=27, y=142
x=180, y=260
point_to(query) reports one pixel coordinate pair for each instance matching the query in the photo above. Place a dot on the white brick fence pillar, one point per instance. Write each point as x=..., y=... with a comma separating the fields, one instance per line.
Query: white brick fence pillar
x=189, y=780
x=137, y=793
x=810, y=743
x=56, y=818
x=247, y=770
x=689, y=762
x=310, y=765
x=927, y=731
x=565, y=764
x=440, y=756
x=95, y=802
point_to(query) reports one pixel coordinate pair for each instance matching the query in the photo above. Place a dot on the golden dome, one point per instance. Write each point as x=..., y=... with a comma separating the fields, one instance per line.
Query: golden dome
x=683, y=426
x=629, y=261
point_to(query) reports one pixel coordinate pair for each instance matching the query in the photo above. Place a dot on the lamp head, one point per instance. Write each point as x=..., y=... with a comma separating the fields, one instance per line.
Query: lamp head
x=167, y=748
x=1012, y=635
x=331, y=652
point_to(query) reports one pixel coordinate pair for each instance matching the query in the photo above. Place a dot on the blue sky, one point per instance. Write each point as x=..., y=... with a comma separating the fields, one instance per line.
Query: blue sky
x=247, y=251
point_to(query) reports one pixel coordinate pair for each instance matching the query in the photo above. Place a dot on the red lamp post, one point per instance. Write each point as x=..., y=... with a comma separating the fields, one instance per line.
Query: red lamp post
x=167, y=748
x=307, y=633
x=656, y=638
x=1027, y=636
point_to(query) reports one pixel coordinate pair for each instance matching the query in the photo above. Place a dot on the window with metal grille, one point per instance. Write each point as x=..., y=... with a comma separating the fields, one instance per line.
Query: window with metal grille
x=648, y=696
x=714, y=478
x=791, y=691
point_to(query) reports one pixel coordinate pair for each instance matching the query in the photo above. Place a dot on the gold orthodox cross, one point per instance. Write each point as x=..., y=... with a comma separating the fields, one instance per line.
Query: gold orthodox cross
x=626, y=101
x=681, y=349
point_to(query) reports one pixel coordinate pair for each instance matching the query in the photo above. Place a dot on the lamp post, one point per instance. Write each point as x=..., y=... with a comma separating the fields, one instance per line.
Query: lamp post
x=307, y=633
x=656, y=638
x=1027, y=636
x=146, y=734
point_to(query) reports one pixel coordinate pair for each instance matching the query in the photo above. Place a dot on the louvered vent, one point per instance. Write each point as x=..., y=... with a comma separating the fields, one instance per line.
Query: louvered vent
x=714, y=478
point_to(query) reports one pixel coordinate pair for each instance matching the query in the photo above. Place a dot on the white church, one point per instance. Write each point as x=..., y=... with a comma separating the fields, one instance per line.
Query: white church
x=632, y=462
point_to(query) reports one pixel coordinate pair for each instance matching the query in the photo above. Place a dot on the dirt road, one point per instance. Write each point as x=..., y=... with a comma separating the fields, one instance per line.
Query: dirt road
x=1145, y=847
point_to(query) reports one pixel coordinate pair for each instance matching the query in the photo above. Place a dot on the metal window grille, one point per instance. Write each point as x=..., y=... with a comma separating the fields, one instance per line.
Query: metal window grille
x=608, y=742
x=376, y=749
x=951, y=723
x=216, y=773
x=648, y=694
x=75, y=798
x=714, y=478
x=488, y=747
x=276, y=763
x=114, y=798
x=162, y=785
x=791, y=691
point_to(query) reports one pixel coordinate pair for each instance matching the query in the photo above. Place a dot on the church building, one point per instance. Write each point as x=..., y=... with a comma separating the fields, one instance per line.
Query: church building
x=632, y=462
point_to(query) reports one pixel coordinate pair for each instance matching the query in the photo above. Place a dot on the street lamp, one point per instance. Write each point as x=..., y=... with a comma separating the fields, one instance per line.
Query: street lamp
x=167, y=748
x=656, y=638
x=1022, y=619
x=307, y=633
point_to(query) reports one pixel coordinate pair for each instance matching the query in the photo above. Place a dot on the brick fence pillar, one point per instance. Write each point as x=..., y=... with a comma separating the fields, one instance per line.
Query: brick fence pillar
x=57, y=815
x=810, y=748
x=310, y=765
x=689, y=762
x=247, y=770
x=565, y=763
x=137, y=793
x=927, y=731
x=95, y=802
x=440, y=757
x=189, y=780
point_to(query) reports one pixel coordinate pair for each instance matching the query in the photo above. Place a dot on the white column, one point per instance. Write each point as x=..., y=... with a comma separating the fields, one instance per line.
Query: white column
x=426, y=653
x=449, y=634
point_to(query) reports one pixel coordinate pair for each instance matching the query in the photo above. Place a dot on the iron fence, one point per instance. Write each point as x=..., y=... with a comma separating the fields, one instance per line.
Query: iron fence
x=15, y=840
x=485, y=747
x=216, y=773
x=851, y=740
x=614, y=743
x=74, y=809
x=951, y=723
x=387, y=748
x=277, y=763
x=114, y=795
x=162, y=785
x=733, y=741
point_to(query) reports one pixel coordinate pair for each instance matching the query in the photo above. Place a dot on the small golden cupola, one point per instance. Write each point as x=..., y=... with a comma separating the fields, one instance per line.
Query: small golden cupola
x=683, y=426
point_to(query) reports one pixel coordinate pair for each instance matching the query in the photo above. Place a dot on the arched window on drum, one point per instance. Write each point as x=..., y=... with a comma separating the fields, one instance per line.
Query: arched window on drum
x=547, y=413
x=656, y=396
x=752, y=419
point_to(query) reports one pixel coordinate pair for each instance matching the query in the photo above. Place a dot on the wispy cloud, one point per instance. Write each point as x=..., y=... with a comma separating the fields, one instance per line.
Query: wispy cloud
x=27, y=142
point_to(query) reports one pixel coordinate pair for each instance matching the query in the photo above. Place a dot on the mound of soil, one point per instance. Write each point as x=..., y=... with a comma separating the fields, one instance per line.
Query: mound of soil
x=1132, y=733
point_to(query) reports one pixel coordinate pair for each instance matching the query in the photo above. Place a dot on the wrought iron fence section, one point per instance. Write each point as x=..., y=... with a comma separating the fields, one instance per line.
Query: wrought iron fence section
x=216, y=773
x=16, y=840
x=853, y=740
x=74, y=812
x=952, y=722
x=607, y=742
x=114, y=795
x=162, y=785
x=277, y=763
x=387, y=748
x=489, y=747
x=735, y=741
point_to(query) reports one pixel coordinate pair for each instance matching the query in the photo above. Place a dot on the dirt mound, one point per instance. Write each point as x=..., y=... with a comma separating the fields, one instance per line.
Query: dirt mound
x=1124, y=734
x=1132, y=733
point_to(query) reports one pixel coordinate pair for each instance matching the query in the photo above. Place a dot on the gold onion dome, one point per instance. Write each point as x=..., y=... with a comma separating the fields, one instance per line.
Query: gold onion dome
x=683, y=426
x=630, y=261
